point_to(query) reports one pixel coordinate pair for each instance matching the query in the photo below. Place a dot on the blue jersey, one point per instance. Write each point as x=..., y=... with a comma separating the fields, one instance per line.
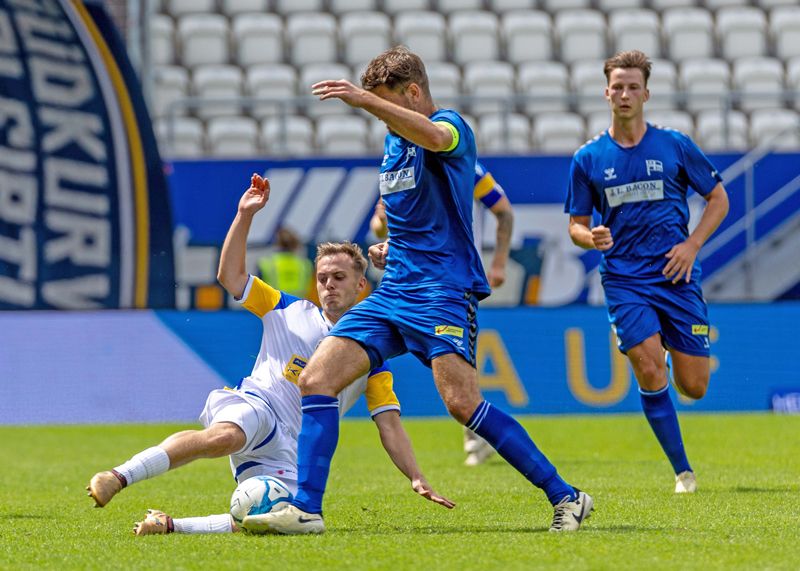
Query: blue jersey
x=428, y=201
x=640, y=195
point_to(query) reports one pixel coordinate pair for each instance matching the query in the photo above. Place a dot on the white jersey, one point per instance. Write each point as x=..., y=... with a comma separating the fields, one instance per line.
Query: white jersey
x=293, y=328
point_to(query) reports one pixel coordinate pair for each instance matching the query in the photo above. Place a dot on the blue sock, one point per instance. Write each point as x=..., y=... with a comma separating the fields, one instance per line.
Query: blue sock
x=663, y=419
x=512, y=442
x=315, y=447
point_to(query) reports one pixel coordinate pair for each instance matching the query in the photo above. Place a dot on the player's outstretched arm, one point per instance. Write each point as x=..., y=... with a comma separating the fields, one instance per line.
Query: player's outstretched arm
x=398, y=445
x=410, y=125
x=504, y=215
x=682, y=256
x=232, y=273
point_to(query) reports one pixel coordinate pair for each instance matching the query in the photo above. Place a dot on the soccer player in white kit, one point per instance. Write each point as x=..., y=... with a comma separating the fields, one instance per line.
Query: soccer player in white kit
x=257, y=423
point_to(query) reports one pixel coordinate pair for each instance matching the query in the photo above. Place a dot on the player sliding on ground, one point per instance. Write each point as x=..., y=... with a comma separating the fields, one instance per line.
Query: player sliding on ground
x=257, y=424
x=636, y=176
x=427, y=301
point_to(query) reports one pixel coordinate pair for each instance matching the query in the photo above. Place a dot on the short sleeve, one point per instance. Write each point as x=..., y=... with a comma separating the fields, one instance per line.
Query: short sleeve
x=259, y=297
x=702, y=175
x=579, y=191
x=458, y=128
x=486, y=190
x=380, y=391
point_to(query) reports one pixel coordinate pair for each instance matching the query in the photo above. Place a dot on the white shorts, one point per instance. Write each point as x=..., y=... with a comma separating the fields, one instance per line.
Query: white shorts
x=269, y=449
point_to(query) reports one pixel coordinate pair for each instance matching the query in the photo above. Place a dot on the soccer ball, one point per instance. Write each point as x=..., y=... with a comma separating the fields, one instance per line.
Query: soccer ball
x=259, y=495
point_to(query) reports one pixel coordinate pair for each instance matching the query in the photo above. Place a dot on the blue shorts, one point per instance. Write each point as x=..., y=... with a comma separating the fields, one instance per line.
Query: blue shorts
x=638, y=311
x=427, y=323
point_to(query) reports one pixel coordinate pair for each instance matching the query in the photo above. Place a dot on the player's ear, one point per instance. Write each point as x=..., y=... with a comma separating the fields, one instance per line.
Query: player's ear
x=646, y=94
x=362, y=283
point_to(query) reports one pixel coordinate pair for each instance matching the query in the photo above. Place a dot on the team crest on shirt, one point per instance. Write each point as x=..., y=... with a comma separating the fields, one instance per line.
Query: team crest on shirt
x=653, y=166
x=610, y=174
x=294, y=367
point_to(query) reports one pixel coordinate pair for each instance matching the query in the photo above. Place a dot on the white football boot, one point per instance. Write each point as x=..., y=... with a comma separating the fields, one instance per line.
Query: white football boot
x=155, y=522
x=569, y=515
x=685, y=483
x=477, y=449
x=288, y=521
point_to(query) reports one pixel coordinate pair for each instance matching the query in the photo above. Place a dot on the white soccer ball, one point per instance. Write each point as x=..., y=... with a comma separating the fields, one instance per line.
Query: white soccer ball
x=259, y=495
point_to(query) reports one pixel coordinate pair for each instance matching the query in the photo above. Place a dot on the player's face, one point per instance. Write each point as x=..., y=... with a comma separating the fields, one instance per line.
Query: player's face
x=626, y=93
x=338, y=284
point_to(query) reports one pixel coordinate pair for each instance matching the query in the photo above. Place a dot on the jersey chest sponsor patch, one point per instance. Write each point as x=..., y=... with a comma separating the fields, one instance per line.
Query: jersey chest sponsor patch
x=294, y=367
x=395, y=181
x=639, y=191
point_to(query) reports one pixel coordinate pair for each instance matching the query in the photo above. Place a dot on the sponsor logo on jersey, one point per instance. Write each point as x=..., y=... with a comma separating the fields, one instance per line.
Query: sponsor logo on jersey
x=451, y=330
x=653, y=166
x=294, y=367
x=639, y=191
x=610, y=174
x=396, y=181
x=699, y=329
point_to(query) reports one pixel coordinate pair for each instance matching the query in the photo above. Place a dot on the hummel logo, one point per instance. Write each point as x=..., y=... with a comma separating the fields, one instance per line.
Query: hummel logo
x=610, y=174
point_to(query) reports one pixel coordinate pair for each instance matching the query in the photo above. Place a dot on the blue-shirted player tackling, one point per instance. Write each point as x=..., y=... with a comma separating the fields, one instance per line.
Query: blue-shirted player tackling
x=636, y=176
x=427, y=301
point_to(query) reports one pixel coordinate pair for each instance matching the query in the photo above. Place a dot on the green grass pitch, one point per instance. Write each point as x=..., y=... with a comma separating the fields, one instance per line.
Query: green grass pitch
x=746, y=514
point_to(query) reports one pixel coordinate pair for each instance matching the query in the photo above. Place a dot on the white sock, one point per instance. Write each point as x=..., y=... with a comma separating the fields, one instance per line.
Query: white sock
x=146, y=464
x=209, y=524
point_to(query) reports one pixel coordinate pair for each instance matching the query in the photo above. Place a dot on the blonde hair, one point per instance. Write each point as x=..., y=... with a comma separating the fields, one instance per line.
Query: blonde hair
x=633, y=59
x=347, y=248
x=396, y=67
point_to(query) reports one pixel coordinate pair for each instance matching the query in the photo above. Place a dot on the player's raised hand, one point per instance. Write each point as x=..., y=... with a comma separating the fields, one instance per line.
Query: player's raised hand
x=601, y=238
x=423, y=488
x=377, y=254
x=255, y=197
x=681, y=259
x=340, y=89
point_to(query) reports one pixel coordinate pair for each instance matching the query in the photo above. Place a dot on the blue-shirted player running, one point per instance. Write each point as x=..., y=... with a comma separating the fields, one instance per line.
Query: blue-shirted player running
x=426, y=303
x=636, y=176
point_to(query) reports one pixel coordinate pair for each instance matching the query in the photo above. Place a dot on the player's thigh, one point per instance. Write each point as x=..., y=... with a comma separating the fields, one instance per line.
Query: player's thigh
x=691, y=373
x=337, y=362
x=249, y=412
x=457, y=383
x=647, y=360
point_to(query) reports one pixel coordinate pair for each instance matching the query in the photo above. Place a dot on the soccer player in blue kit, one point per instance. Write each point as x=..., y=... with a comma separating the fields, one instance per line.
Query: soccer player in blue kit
x=636, y=176
x=426, y=303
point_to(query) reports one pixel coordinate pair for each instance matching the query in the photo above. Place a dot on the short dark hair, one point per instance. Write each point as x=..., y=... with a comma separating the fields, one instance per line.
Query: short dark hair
x=347, y=248
x=633, y=59
x=396, y=67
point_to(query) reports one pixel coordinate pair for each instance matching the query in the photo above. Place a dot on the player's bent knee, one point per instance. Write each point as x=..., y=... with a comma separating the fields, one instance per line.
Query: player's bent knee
x=461, y=409
x=694, y=388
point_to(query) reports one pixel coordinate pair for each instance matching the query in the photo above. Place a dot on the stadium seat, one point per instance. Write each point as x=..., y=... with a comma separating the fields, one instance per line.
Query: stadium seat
x=288, y=135
x=688, y=33
x=311, y=38
x=719, y=131
x=636, y=29
x=377, y=136
x=742, y=32
x=425, y=33
x=474, y=36
x=180, y=137
x=315, y=72
x=662, y=85
x=179, y=8
x=589, y=85
x=258, y=38
x=597, y=122
x=504, y=133
x=170, y=83
x=778, y=127
x=394, y=7
x=769, y=4
x=276, y=81
x=527, y=35
x=503, y=6
x=341, y=7
x=162, y=40
x=661, y=5
x=706, y=81
x=760, y=81
x=723, y=4
x=554, y=6
x=444, y=81
x=581, y=35
x=450, y=6
x=784, y=25
x=233, y=137
x=288, y=7
x=546, y=86
x=558, y=132
x=608, y=6
x=491, y=80
x=677, y=120
x=232, y=8
x=364, y=35
x=344, y=135
x=793, y=80
x=203, y=39
x=218, y=82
